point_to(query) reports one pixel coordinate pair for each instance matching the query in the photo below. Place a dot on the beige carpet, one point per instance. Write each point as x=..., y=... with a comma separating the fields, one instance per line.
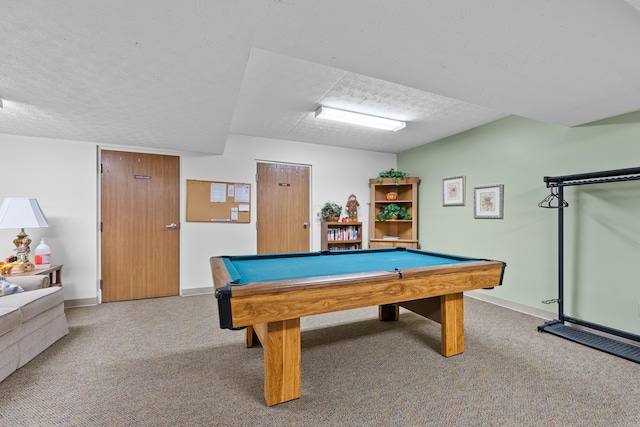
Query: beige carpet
x=165, y=362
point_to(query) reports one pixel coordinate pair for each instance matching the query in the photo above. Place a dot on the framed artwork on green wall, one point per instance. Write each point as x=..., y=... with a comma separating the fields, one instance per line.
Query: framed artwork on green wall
x=488, y=201
x=453, y=191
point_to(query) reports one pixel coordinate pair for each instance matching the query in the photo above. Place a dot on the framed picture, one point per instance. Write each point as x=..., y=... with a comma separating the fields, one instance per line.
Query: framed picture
x=488, y=201
x=453, y=191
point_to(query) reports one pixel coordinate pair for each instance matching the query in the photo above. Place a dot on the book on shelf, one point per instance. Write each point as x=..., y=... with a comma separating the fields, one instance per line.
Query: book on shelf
x=344, y=248
x=390, y=237
x=343, y=233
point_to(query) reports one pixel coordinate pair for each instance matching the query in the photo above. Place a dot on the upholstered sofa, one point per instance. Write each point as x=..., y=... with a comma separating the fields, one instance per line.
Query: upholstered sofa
x=30, y=321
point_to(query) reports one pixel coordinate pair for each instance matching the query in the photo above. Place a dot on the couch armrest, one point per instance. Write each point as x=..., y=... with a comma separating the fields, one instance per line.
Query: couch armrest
x=30, y=283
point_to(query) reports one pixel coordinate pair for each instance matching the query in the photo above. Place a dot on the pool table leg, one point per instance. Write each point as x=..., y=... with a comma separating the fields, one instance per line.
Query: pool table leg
x=281, y=345
x=448, y=310
x=250, y=337
x=388, y=312
x=452, y=323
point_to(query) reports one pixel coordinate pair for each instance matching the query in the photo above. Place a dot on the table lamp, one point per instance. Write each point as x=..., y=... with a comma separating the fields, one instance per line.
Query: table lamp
x=22, y=213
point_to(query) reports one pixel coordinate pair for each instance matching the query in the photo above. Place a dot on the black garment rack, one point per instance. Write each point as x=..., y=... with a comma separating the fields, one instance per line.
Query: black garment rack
x=558, y=327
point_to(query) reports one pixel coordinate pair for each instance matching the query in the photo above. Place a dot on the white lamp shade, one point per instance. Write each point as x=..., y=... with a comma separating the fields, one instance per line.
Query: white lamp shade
x=21, y=213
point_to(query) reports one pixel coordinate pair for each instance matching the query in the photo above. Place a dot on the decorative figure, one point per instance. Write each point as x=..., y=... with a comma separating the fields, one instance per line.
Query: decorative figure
x=352, y=208
x=22, y=255
x=23, y=250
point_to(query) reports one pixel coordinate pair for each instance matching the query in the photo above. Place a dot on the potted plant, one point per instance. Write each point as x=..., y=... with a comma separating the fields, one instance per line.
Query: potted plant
x=392, y=212
x=331, y=212
x=393, y=174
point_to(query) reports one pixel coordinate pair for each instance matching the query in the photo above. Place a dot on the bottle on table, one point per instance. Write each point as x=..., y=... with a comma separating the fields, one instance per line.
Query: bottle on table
x=42, y=258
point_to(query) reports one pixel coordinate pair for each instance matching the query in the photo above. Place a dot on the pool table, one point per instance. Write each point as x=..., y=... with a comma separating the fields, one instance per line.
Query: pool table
x=268, y=294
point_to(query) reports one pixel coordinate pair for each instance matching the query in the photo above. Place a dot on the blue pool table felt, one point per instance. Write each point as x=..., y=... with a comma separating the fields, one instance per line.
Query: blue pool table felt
x=245, y=270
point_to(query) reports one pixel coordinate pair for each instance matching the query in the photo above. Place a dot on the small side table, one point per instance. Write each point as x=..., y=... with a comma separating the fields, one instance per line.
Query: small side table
x=54, y=272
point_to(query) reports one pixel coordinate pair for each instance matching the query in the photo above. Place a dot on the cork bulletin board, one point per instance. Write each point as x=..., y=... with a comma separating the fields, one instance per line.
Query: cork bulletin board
x=218, y=201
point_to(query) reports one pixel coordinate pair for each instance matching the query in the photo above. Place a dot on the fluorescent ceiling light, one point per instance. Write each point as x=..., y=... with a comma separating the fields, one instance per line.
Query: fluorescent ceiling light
x=359, y=119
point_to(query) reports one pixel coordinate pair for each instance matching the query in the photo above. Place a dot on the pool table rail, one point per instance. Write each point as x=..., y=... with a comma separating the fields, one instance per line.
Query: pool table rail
x=248, y=304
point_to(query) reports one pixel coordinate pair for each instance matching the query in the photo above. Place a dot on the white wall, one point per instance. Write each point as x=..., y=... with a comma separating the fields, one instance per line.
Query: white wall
x=335, y=174
x=63, y=176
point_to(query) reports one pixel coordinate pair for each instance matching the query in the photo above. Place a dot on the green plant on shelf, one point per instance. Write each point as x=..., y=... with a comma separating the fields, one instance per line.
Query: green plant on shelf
x=393, y=212
x=392, y=173
x=331, y=212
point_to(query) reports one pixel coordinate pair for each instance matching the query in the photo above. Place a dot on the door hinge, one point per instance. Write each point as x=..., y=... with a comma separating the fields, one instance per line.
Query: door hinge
x=100, y=284
x=100, y=226
x=100, y=167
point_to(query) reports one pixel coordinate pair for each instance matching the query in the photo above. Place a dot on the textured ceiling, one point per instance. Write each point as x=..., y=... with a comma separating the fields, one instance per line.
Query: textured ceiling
x=182, y=75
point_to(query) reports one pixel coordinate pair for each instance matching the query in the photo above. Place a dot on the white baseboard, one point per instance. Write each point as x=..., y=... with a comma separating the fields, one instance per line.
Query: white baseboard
x=84, y=302
x=196, y=291
x=543, y=314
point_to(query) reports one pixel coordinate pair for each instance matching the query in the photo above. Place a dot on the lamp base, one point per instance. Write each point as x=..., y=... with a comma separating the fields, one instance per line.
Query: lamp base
x=23, y=250
x=19, y=238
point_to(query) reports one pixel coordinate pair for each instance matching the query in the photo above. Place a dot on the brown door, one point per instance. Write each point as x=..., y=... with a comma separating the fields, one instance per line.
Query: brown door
x=283, y=208
x=140, y=213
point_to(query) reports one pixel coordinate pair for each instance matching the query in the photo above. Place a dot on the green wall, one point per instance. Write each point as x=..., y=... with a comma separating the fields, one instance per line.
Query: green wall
x=602, y=223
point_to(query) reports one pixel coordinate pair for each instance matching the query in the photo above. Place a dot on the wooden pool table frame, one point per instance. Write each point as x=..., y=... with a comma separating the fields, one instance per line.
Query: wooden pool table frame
x=272, y=310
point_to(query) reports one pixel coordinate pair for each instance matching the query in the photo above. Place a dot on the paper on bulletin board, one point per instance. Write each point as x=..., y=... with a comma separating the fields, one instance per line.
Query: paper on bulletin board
x=218, y=193
x=234, y=214
x=243, y=208
x=242, y=193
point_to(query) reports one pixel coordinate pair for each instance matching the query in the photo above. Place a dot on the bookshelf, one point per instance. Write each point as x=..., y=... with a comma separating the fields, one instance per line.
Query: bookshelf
x=340, y=236
x=394, y=233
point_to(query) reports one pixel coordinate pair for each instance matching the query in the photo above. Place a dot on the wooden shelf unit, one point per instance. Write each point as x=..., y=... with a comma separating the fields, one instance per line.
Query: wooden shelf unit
x=406, y=231
x=340, y=236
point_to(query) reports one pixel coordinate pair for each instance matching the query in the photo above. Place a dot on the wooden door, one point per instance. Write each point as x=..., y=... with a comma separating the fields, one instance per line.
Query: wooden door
x=283, y=208
x=140, y=215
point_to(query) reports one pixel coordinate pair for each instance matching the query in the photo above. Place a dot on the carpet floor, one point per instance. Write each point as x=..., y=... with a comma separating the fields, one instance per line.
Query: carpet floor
x=165, y=362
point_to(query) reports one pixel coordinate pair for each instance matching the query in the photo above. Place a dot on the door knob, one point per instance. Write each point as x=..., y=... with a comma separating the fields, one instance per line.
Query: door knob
x=172, y=226
x=305, y=225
